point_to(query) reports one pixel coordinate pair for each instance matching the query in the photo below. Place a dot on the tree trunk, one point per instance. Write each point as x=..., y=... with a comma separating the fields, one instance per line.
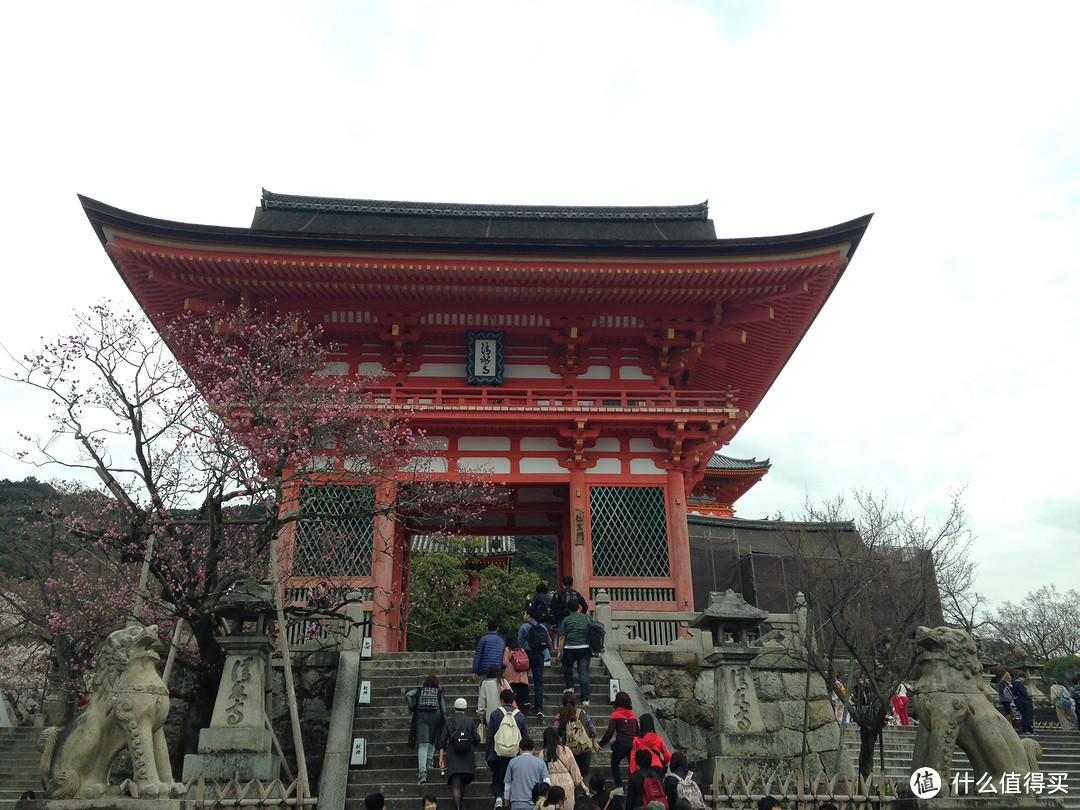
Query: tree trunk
x=868, y=737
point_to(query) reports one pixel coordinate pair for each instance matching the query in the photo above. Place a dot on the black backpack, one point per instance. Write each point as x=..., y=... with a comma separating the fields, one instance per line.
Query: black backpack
x=596, y=637
x=541, y=605
x=538, y=638
x=461, y=742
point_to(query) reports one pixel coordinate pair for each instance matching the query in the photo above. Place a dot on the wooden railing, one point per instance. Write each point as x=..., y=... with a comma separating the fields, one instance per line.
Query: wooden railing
x=558, y=399
x=202, y=792
x=795, y=793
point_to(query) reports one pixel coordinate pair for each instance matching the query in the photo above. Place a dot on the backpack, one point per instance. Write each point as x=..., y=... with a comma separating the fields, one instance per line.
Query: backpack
x=507, y=735
x=519, y=660
x=461, y=742
x=1064, y=699
x=429, y=699
x=577, y=736
x=1007, y=693
x=653, y=791
x=687, y=788
x=538, y=638
x=541, y=605
x=596, y=637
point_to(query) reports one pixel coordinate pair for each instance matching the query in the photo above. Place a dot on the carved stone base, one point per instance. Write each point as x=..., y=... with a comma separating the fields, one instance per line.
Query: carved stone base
x=109, y=803
x=222, y=766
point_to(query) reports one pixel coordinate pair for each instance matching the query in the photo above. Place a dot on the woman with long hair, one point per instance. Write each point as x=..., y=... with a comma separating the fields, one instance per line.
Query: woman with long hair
x=623, y=726
x=516, y=670
x=647, y=739
x=562, y=768
x=576, y=732
x=488, y=699
x=679, y=774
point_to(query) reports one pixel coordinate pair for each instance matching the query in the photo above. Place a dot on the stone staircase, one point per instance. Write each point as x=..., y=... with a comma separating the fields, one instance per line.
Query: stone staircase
x=1061, y=754
x=391, y=764
x=19, y=760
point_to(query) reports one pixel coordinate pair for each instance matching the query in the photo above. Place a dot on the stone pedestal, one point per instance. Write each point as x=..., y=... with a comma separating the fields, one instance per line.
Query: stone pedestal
x=238, y=744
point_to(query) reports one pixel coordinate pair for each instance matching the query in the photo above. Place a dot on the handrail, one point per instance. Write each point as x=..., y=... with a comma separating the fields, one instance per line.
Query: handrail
x=421, y=398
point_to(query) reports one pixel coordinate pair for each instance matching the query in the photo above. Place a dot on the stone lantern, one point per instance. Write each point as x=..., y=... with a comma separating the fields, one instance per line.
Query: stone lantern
x=739, y=731
x=238, y=743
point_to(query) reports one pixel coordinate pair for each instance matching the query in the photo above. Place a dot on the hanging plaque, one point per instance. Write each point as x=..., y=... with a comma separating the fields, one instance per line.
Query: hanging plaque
x=484, y=358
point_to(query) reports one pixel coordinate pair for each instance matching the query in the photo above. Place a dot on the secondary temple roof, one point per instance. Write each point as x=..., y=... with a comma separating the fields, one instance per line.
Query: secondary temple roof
x=332, y=215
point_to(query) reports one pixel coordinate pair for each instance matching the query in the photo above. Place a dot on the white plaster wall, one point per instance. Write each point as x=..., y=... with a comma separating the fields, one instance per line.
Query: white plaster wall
x=644, y=466
x=486, y=443
x=434, y=443
x=644, y=446
x=609, y=445
x=437, y=464
x=540, y=465
x=596, y=373
x=605, y=466
x=534, y=444
x=441, y=370
x=633, y=373
x=486, y=464
x=336, y=369
x=369, y=369
x=524, y=371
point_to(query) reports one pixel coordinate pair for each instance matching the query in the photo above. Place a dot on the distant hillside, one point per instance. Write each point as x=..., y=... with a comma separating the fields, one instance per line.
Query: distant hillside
x=20, y=501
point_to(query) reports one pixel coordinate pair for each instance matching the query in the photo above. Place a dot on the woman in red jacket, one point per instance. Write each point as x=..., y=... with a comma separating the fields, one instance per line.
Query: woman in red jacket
x=648, y=740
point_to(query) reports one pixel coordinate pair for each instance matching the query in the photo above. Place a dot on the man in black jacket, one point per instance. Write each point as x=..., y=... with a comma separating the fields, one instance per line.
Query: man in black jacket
x=1023, y=703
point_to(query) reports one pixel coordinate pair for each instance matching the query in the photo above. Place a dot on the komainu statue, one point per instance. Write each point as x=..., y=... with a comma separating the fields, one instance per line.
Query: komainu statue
x=954, y=708
x=128, y=705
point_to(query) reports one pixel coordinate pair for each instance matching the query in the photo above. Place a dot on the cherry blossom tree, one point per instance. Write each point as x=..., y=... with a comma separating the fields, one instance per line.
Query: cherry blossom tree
x=203, y=481
x=65, y=599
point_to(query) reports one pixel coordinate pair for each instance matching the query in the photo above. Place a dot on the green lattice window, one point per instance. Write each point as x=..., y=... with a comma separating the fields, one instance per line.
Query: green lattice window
x=629, y=532
x=334, y=531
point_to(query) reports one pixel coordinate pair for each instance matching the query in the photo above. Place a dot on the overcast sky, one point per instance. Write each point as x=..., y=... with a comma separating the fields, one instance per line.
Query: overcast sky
x=945, y=357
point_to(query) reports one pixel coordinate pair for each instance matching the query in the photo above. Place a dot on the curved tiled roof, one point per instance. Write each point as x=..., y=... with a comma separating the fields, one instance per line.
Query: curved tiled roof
x=722, y=462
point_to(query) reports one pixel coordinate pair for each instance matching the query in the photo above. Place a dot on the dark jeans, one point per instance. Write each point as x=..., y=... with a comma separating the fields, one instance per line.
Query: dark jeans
x=583, y=659
x=498, y=775
x=620, y=750
x=1024, y=707
x=536, y=661
x=521, y=694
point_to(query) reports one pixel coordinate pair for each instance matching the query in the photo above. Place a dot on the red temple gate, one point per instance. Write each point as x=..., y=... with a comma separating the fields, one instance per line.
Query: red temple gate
x=592, y=360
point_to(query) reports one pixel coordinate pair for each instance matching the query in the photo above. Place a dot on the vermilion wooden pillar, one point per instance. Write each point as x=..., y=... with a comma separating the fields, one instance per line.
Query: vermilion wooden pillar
x=679, y=541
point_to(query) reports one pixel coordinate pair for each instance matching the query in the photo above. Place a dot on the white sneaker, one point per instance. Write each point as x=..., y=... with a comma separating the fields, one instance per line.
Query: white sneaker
x=498, y=803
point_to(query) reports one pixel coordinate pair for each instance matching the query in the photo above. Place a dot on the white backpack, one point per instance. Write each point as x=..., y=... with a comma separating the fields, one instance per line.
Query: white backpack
x=507, y=735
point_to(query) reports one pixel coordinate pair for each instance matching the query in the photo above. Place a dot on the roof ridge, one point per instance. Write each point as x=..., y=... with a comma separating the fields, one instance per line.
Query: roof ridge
x=299, y=202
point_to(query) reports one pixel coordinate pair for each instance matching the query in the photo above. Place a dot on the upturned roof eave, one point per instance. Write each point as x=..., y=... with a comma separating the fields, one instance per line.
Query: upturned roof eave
x=105, y=218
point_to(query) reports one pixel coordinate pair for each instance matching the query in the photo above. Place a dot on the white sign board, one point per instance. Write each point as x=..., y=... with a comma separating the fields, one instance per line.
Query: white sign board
x=359, y=751
x=613, y=689
x=366, y=649
x=365, y=693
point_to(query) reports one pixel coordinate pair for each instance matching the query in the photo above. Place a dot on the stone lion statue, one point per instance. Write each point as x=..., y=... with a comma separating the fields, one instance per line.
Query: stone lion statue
x=954, y=708
x=128, y=705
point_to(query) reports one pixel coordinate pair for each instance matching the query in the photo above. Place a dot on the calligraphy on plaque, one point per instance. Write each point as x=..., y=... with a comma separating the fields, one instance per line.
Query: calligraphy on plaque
x=484, y=358
x=579, y=527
